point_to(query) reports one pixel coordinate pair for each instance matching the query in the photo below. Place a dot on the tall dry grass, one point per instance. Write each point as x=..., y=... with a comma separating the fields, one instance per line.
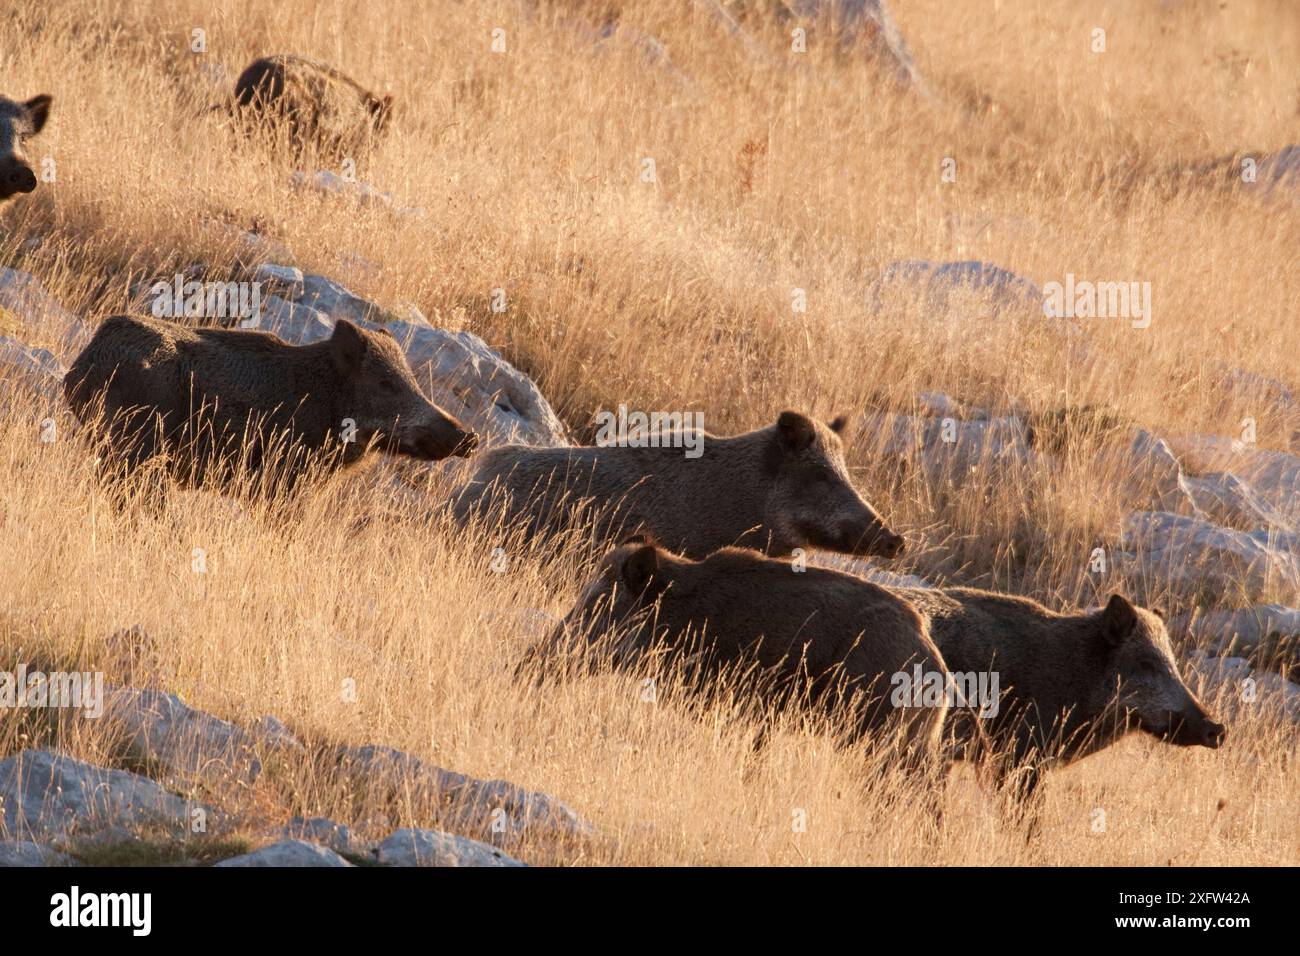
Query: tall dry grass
x=807, y=173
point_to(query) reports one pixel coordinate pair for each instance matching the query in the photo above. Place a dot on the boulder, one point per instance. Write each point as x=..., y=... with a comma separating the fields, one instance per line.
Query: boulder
x=336, y=836
x=947, y=448
x=865, y=26
x=1273, y=476
x=38, y=315
x=865, y=569
x=1202, y=556
x=1153, y=473
x=1267, y=634
x=862, y=26
x=25, y=853
x=296, y=853
x=38, y=368
x=411, y=847
x=457, y=370
x=161, y=727
x=494, y=806
x=48, y=794
x=1224, y=498
x=938, y=404
x=1234, y=685
x=280, y=280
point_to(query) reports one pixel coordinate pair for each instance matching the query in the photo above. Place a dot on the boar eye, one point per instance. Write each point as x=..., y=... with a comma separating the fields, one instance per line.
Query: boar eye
x=1149, y=666
x=387, y=385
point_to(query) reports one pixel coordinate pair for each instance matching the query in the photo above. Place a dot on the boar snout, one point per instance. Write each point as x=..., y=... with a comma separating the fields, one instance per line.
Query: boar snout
x=439, y=440
x=1194, y=729
x=17, y=178
x=1202, y=733
x=890, y=545
x=876, y=541
x=1215, y=735
x=467, y=445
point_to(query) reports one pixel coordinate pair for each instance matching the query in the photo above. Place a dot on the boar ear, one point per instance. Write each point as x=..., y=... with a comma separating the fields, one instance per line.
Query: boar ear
x=38, y=108
x=794, y=430
x=347, y=346
x=1117, y=620
x=640, y=568
x=838, y=424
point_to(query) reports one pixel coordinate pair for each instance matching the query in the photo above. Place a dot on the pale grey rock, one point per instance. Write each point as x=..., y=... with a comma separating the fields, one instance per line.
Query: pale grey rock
x=336, y=836
x=467, y=803
x=1226, y=499
x=1198, y=554
x=457, y=370
x=47, y=794
x=280, y=280
x=411, y=847
x=1150, y=469
x=271, y=732
x=42, y=318
x=39, y=368
x=1000, y=443
x=938, y=404
x=294, y=853
x=1232, y=683
x=14, y=853
x=1242, y=630
x=296, y=324
x=1149, y=464
x=163, y=728
x=1273, y=476
x=865, y=25
x=866, y=569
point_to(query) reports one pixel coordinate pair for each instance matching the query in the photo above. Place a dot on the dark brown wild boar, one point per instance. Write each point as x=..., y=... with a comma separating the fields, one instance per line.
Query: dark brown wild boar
x=211, y=399
x=19, y=122
x=315, y=105
x=816, y=638
x=1070, y=684
x=775, y=489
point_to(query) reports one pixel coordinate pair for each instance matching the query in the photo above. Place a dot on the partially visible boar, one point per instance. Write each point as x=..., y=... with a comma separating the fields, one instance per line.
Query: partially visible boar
x=213, y=399
x=316, y=105
x=776, y=489
x=812, y=639
x=19, y=122
x=1071, y=684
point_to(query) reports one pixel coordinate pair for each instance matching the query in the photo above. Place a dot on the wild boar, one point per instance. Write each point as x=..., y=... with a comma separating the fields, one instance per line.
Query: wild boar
x=213, y=399
x=818, y=638
x=19, y=122
x=316, y=106
x=1070, y=684
x=775, y=489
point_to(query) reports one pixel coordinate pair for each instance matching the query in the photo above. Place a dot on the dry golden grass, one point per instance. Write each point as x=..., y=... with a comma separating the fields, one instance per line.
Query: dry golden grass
x=810, y=173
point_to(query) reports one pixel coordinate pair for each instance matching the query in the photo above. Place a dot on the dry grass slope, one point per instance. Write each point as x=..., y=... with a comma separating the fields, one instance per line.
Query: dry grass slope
x=807, y=174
